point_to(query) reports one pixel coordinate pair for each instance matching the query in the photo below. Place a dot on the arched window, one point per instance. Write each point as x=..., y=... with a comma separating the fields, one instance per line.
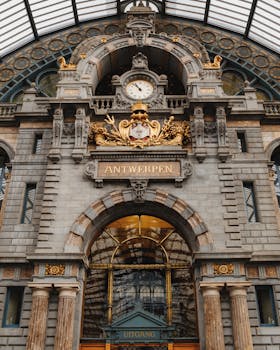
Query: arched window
x=139, y=263
x=276, y=168
x=4, y=160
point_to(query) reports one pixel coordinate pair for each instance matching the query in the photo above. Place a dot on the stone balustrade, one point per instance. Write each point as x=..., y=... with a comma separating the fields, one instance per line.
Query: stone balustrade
x=7, y=109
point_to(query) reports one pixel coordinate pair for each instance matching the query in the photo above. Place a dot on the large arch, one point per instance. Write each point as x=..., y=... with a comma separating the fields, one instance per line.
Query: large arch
x=156, y=202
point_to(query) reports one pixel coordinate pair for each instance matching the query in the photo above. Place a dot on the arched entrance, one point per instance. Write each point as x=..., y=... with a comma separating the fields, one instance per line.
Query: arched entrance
x=139, y=291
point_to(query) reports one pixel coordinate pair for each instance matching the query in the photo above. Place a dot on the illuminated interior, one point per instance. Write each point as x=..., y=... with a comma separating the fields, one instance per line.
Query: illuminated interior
x=140, y=262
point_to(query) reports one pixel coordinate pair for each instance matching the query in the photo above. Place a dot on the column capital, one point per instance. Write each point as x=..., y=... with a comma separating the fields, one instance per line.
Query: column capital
x=211, y=285
x=67, y=285
x=238, y=284
x=38, y=285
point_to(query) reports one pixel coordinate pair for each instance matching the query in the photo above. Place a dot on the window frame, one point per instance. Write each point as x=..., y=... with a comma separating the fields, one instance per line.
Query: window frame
x=38, y=136
x=273, y=305
x=242, y=141
x=254, y=200
x=28, y=186
x=6, y=306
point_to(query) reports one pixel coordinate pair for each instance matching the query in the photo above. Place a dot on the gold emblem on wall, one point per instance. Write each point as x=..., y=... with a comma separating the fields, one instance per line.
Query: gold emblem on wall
x=223, y=269
x=54, y=270
x=139, y=131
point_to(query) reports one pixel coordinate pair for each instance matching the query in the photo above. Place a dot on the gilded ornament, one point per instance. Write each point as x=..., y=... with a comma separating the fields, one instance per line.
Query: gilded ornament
x=213, y=65
x=54, y=270
x=65, y=66
x=223, y=269
x=139, y=131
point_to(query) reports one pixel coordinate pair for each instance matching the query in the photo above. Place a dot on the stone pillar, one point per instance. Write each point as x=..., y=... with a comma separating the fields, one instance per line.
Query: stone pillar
x=214, y=333
x=240, y=316
x=38, y=320
x=65, y=317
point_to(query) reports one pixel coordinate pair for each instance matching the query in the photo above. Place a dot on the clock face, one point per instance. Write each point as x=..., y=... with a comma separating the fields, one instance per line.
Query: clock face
x=139, y=89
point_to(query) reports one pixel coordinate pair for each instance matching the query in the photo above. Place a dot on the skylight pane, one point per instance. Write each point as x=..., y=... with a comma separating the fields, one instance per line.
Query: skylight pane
x=57, y=14
x=95, y=9
x=15, y=27
x=228, y=14
x=193, y=9
x=265, y=26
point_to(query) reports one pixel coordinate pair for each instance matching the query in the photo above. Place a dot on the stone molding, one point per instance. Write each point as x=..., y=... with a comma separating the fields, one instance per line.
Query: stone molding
x=78, y=240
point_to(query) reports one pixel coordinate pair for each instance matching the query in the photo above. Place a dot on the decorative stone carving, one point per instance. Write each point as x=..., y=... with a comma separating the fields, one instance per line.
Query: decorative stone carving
x=187, y=169
x=139, y=131
x=68, y=129
x=54, y=270
x=223, y=269
x=139, y=61
x=58, y=123
x=90, y=170
x=215, y=65
x=81, y=131
x=139, y=187
x=140, y=23
x=64, y=66
x=223, y=149
x=200, y=151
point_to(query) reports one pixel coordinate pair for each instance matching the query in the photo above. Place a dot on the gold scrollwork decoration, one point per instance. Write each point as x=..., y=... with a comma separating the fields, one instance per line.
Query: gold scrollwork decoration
x=223, y=269
x=54, y=270
x=139, y=131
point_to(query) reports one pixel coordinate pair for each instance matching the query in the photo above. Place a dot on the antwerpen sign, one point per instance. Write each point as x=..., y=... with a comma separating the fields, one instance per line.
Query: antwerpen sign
x=99, y=170
x=150, y=170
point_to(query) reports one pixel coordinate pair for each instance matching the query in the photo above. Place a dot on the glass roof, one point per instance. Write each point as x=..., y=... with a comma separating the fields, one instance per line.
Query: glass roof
x=22, y=21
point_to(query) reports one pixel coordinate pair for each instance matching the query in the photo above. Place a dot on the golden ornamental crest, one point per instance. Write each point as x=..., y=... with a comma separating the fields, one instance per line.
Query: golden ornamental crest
x=139, y=131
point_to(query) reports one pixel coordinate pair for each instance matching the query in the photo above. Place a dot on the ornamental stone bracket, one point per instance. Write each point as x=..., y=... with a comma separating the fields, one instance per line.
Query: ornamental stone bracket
x=138, y=172
x=139, y=187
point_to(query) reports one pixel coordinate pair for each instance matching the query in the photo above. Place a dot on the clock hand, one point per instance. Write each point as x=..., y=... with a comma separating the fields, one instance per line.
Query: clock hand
x=138, y=87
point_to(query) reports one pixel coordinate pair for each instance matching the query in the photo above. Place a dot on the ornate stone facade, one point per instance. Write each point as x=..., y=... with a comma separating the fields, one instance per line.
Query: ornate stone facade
x=207, y=235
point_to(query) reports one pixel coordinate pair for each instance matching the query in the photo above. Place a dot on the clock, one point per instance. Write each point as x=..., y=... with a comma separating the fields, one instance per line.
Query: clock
x=139, y=89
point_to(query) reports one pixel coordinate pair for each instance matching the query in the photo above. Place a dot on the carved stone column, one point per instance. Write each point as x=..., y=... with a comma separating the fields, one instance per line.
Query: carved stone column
x=223, y=150
x=65, y=317
x=58, y=122
x=240, y=316
x=81, y=134
x=38, y=320
x=200, y=150
x=214, y=333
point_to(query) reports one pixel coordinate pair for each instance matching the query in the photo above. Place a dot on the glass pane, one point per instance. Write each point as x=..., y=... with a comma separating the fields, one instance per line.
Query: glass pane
x=144, y=289
x=186, y=8
x=233, y=83
x=95, y=307
x=13, y=307
x=250, y=204
x=265, y=24
x=266, y=305
x=28, y=203
x=95, y=9
x=48, y=83
x=184, y=307
x=230, y=14
x=51, y=15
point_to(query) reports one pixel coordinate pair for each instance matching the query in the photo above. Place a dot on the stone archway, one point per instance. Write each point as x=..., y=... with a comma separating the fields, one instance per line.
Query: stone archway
x=87, y=226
